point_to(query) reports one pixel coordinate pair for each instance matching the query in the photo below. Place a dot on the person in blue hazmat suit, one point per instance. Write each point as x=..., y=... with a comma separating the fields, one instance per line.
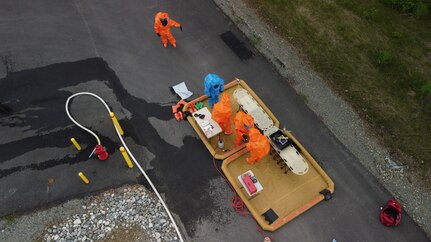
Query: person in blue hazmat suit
x=214, y=85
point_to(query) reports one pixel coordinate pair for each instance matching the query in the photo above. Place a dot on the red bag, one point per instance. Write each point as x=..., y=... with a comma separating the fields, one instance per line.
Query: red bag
x=391, y=214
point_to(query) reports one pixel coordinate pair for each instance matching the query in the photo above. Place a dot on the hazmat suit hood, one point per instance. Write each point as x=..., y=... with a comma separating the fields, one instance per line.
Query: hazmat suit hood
x=164, y=18
x=213, y=84
x=164, y=15
x=223, y=109
x=248, y=121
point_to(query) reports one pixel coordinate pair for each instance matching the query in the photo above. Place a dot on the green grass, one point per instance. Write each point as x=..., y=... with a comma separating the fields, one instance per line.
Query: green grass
x=238, y=20
x=255, y=39
x=303, y=97
x=9, y=219
x=379, y=54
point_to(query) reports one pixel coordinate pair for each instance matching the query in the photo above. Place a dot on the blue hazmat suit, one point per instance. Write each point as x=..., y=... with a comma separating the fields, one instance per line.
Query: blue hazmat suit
x=214, y=85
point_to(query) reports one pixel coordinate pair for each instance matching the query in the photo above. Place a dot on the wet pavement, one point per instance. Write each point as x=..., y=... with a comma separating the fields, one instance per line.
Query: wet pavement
x=51, y=50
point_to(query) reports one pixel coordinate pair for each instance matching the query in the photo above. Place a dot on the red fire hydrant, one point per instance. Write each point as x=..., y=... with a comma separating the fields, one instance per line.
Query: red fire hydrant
x=101, y=152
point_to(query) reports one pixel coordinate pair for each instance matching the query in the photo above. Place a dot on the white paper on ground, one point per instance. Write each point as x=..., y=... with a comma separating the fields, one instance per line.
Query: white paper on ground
x=182, y=91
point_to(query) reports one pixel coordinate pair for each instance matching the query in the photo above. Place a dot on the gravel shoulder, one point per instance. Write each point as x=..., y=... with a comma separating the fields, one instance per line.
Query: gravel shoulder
x=338, y=115
x=130, y=213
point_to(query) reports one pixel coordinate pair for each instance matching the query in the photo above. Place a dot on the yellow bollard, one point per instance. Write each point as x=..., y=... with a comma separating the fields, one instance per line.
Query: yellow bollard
x=126, y=157
x=116, y=123
x=75, y=143
x=83, y=177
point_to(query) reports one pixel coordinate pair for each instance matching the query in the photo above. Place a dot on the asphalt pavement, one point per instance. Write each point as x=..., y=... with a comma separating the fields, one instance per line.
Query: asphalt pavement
x=52, y=49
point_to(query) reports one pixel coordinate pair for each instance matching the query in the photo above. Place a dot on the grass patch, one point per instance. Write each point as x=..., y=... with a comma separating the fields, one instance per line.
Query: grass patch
x=303, y=97
x=417, y=7
x=238, y=20
x=382, y=58
x=255, y=39
x=379, y=52
x=8, y=219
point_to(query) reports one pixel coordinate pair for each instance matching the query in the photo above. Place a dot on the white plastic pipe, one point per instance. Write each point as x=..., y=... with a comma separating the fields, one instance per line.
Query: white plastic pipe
x=127, y=149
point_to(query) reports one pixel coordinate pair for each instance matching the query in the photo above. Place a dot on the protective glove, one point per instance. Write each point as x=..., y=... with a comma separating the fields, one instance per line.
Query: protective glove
x=181, y=27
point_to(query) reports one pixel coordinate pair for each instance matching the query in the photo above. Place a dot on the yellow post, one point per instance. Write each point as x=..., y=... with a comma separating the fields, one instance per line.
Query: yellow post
x=75, y=143
x=116, y=123
x=126, y=157
x=83, y=177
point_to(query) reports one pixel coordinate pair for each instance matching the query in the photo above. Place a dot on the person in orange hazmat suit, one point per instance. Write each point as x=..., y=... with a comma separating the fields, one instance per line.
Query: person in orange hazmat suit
x=222, y=112
x=258, y=145
x=243, y=123
x=162, y=27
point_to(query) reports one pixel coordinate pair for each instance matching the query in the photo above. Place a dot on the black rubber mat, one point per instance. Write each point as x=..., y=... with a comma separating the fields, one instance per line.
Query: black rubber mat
x=236, y=45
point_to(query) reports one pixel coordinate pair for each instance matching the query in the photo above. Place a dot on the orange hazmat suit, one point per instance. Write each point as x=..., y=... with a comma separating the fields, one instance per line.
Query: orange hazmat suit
x=243, y=123
x=258, y=145
x=162, y=27
x=222, y=112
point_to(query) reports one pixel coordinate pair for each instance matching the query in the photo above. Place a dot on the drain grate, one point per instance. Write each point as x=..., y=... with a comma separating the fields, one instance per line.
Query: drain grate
x=236, y=45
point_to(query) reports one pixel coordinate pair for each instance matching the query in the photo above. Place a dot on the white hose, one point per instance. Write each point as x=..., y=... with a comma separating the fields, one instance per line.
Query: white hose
x=73, y=120
x=127, y=149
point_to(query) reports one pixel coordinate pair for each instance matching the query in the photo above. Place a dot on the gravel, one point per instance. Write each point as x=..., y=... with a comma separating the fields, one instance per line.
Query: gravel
x=339, y=116
x=131, y=213
x=125, y=208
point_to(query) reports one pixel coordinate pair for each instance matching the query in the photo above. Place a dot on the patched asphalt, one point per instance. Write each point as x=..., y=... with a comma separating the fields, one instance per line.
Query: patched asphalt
x=53, y=49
